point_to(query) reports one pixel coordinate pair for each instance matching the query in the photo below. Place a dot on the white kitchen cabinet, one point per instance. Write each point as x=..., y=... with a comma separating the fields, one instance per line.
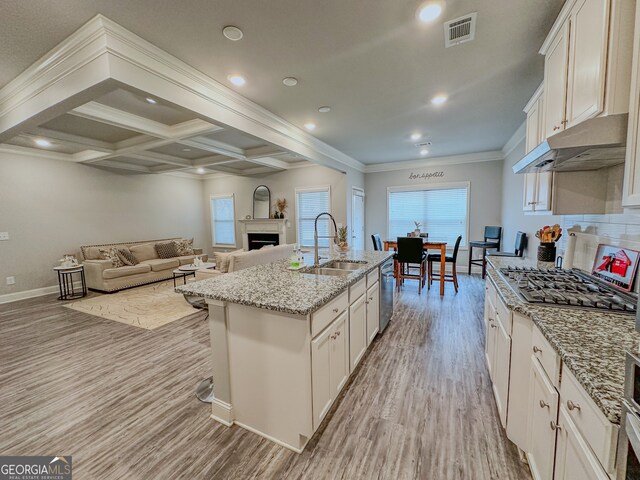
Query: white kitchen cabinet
x=574, y=458
x=501, y=367
x=631, y=184
x=589, y=22
x=373, y=311
x=490, y=336
x=555, y=82
x=329, y=366
x=543, y=415
x=519, y=377
x=357, y=331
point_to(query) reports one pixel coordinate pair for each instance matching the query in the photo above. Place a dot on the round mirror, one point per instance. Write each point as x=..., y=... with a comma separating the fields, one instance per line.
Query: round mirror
x=261, y=202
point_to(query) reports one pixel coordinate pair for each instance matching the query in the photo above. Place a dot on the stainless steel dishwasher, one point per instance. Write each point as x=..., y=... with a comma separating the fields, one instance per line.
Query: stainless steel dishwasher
x=387, y=288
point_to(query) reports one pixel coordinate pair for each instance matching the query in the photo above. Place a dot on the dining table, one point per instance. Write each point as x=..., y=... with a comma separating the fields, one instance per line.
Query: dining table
x=426, y=245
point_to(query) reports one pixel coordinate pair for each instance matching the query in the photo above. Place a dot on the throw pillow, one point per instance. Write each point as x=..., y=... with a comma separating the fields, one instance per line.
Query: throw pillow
x=166, y=250
x=112, y=254
x=184, y=246
x=222, y=260
x=127, y=257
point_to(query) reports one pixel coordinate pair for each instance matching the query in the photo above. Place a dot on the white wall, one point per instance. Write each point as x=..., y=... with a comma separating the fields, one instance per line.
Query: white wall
x=485, y=195
x=513, y=218
x=282, y=184
x=52, y=207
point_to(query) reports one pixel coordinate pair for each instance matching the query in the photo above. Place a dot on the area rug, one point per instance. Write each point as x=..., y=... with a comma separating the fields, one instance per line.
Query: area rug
x=148, y=307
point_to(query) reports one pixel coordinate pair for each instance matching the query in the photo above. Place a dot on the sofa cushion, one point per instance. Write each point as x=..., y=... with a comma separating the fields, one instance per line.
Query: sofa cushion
x=127, y=257
x=145, y=251
x=125, y=271
x=184, y=246
x=111, y=254
x=167, y=250
x=159, y=264
x=223, y=258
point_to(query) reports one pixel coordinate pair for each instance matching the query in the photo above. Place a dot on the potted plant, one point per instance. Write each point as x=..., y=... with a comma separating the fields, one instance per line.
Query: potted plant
x=281, y=207
x=343, y=245
x=417, y=230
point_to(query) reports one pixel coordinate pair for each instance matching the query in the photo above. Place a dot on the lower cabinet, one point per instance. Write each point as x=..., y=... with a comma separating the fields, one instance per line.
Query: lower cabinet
x=330, y=366
x=490, y=335
x=501, y=369
x=573, y=455
x=543, y=415
x=373, y=311
x=358, y=338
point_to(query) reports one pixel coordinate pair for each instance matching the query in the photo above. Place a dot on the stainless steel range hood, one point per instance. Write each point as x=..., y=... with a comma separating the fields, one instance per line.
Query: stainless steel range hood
x=593, y=144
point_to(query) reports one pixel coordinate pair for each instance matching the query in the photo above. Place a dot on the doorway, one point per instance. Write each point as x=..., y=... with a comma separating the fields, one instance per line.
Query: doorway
x=357, y=218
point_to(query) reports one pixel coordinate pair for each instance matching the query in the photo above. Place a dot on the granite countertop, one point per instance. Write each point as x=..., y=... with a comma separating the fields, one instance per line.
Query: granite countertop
x=591, y=343
x=274, y=287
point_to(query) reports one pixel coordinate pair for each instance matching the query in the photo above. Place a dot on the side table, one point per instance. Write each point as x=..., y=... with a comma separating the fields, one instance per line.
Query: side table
x=65, y=282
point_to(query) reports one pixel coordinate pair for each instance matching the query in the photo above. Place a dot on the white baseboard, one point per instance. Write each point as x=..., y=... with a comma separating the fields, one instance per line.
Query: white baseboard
x=36, y=292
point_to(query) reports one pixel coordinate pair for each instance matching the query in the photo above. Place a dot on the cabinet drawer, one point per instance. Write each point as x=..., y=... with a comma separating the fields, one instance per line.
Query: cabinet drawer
x=372, y=276
x=325, y=315
x=503, y=314
x=600, y=433
x=357, y=290
x=546, y=355
x=490, y=292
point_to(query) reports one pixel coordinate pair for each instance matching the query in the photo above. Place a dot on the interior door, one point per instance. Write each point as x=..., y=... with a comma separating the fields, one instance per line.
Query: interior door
x=357, y=219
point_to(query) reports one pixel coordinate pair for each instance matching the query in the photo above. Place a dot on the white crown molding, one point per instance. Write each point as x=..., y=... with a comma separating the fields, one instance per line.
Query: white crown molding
x=491, y=156
x=518, y=136
x=35, y=152
x=534, y=98
x=102, y=56
x=557, y=25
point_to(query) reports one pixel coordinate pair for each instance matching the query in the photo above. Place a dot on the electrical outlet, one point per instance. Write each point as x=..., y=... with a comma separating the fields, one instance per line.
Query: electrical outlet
x=4, y=236
x=11, y=280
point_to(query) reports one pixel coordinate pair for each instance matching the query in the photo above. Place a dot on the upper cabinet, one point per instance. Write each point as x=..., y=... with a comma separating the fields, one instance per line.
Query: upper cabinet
x=587, y=62
x=631, y=185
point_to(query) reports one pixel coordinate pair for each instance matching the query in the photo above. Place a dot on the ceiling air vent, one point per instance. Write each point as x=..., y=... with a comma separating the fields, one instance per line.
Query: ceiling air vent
x=460, y=30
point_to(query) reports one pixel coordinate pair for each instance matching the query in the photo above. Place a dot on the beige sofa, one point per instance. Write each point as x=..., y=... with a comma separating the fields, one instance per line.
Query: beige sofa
x=240, y=259
x=100, y=274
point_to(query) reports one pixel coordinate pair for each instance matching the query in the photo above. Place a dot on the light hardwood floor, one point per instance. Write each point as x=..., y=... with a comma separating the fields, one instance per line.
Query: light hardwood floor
x=121, y=399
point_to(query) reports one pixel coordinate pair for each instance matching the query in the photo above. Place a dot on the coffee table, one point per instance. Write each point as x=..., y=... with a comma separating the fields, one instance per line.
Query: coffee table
x=185, y=271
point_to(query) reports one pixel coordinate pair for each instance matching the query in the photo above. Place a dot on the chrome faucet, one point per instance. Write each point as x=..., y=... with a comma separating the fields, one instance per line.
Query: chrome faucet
x=316, y=258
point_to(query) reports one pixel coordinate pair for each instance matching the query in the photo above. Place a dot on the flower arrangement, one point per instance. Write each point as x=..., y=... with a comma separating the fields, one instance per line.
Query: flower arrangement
x=281, y=207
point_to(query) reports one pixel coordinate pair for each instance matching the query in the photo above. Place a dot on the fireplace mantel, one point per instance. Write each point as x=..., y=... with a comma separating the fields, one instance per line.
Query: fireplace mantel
x=264, y=225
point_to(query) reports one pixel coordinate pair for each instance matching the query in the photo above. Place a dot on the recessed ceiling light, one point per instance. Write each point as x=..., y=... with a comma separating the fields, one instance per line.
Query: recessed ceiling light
x=41, y=142
x=429, y=11
x=290, y=81
x=325, y=109
x=416, y=136
x=237, y=80
x=424, y=151
x=233, y=33
x=200, y=170
x=310, y=126
x=151, y=100
x=439, y=99
x=186, y=149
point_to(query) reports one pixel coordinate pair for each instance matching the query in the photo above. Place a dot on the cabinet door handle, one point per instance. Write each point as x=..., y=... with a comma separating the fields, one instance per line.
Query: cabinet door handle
x=531, y=203
x=554, y=426
x=335, y=310
x=337, y=334
x=564, y=122
x=556, y=128
x=573, y=406
x=371, y=298
x=536, y=349
x=366, y=303
x=543, y=404
x=332, y=337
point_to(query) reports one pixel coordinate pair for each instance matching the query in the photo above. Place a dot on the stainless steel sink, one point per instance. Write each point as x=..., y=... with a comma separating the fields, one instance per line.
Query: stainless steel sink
x=327, y=271
x=345, y=265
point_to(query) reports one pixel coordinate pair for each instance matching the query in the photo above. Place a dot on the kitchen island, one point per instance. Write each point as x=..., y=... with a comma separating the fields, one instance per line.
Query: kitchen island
x=284, y=343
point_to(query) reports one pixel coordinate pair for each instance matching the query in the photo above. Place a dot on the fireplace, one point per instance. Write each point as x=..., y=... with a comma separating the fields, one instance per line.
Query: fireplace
x=259, y=240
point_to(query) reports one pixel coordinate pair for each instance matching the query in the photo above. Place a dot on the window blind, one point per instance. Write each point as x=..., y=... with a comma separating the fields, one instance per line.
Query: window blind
x=310, y=203
x=443, y=213
x=223, y=220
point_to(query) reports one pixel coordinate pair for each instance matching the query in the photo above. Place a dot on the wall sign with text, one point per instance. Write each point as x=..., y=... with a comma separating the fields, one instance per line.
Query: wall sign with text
x=425, y=175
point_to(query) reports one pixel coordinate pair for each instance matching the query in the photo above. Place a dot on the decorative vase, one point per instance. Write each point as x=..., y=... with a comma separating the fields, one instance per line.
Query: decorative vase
x=547, y=252
x=416, y=232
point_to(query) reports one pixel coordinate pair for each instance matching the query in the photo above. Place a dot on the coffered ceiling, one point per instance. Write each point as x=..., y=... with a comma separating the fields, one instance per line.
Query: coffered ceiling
x=371, y=61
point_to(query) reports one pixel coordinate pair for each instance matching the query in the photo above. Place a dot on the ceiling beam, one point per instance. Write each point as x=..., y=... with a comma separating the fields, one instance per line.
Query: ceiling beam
x=270, y=162
x=162, y=158
x=123, y=166
x=71, y=139
x=117, y=118
x=214, y=146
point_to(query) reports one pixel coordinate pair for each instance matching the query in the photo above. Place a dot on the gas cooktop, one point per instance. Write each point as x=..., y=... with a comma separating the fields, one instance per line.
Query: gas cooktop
x=568, y=288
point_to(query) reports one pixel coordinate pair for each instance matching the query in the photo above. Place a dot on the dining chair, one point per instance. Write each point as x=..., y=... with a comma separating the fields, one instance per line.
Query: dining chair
x=452, y=259
x=410, y=255
x=521, y=242
x=492, y=235
x=377, y=242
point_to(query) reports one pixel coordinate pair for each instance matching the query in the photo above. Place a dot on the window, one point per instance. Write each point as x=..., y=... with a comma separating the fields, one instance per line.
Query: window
x=309, y=203
x=442, y=210
x=223, y=224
